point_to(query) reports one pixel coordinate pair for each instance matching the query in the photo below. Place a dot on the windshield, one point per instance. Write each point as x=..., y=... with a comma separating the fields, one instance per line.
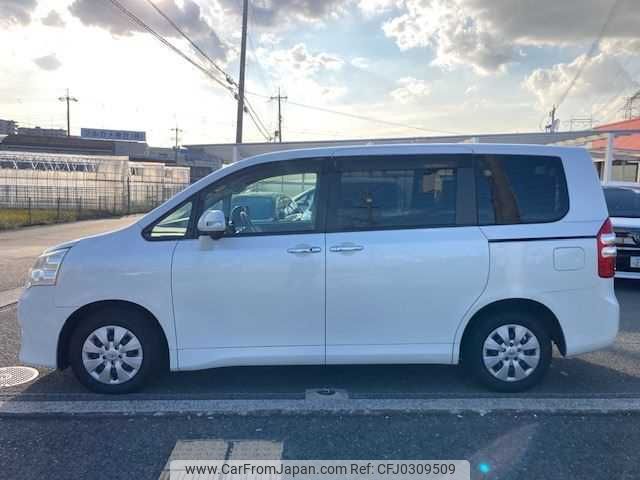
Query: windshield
x=261, y=207
x=623, y=202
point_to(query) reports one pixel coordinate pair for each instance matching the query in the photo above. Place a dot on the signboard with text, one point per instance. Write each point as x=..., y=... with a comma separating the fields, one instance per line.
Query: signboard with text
x=102, y=134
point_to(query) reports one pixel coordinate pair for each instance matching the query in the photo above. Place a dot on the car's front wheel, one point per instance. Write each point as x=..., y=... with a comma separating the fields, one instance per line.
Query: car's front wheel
x=114, y=351
x=509, y=352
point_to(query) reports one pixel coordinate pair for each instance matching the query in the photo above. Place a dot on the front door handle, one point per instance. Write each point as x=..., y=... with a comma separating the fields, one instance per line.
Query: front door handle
x=346, y=248
x=304, y=250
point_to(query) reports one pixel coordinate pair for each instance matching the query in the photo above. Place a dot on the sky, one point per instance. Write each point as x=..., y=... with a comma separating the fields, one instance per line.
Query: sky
x=412, y=67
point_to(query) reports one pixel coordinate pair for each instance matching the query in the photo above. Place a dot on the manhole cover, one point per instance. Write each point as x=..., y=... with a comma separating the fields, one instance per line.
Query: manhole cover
x=12, y=376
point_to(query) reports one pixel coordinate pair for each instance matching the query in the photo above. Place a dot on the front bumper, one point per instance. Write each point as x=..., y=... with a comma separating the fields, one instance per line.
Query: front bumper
x=40, y=325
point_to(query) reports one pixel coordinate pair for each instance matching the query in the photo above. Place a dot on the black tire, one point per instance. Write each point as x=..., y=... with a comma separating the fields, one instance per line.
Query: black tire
x=146, y=331
x=474, y=345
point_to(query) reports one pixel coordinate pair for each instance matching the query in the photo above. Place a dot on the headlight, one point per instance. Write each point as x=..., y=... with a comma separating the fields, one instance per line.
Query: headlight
x=45, y=271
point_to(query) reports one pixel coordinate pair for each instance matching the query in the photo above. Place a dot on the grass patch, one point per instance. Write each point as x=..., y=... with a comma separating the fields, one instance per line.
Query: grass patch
x=21, y=217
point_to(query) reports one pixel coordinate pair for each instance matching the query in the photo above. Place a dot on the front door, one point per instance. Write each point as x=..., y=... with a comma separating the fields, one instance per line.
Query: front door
x=255, y=296
x=404, y=261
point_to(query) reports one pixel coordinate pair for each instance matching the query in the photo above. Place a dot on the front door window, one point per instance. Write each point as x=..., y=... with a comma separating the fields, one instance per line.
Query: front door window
x=265, y=203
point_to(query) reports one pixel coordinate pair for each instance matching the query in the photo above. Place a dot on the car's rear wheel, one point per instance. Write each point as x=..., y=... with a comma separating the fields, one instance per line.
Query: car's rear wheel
x=508, y=352
x=115, y=350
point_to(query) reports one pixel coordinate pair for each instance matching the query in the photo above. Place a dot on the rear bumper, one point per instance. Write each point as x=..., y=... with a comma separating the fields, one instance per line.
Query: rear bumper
x=40, y=325
x=589, y=318
x=628, y=275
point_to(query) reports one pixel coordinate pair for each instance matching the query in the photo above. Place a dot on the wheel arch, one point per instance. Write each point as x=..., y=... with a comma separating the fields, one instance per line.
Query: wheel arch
x=518, y=305
x=62, y=358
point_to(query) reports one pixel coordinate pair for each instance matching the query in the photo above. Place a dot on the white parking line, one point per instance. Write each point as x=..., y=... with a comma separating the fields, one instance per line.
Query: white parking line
x=14, y=407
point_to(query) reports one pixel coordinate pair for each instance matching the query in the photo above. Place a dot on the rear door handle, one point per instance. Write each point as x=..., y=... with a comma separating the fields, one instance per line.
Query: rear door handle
x=304, y=250
x=346, y=248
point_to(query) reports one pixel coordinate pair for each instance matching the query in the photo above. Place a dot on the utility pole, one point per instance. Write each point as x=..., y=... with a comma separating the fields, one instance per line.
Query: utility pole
x=176, y=132
x=552, y=117
x=630, y=106
x=279, y=98
x=68, y=99
x=243, y=60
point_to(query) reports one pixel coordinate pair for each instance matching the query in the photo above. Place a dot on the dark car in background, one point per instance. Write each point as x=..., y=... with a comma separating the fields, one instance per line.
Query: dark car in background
x=623, y=201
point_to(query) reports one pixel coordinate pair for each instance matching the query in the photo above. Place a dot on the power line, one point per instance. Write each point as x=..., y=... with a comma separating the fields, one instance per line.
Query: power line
x=614, y=98
x=589, y=54
x=133, y=18
x=228, y=77
x=359, y=117
x=253, y=114
x=239, y=96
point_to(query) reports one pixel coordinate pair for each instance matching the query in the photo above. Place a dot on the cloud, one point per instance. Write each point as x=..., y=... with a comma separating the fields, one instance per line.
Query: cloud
x=556, y=22
x=332, y=92
x=377, y=7
x=410, y=90
x=472, y=90
x=48, y=62
x=16, y=12
x=274, y=13
x=621, y=46
x=489, y=34
x=456, y=36
x=187, y=14
x=306, y=76
x=300, y=62
x=602, y=75
x=270, y=39
x=361, y=63
x=53, y=19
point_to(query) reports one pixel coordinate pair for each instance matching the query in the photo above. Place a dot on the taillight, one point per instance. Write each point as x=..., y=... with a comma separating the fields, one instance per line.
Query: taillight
x=606, y=250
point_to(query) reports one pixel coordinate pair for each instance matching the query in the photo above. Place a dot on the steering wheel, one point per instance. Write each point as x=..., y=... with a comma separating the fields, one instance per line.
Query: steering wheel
x=241, y=220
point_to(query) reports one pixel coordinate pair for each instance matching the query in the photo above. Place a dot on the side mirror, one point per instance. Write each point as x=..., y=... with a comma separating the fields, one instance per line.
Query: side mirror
x=213, y=223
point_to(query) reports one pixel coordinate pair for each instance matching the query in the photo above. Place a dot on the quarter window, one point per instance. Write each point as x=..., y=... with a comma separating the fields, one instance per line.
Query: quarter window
x=174, y=225
x=396, y=193
x=514, y=189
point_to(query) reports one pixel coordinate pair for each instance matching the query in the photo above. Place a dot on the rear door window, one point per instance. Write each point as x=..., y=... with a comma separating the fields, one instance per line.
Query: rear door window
x=515, y=189
x=623, y=202
x=379, y=193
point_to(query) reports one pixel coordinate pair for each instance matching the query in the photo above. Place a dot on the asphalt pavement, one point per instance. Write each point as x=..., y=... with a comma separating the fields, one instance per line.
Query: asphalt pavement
x=19, y=248
x=511, y=446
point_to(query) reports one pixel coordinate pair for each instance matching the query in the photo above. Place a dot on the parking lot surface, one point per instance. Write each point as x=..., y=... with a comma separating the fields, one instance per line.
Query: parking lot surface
x=19, y=248
x=513, y=446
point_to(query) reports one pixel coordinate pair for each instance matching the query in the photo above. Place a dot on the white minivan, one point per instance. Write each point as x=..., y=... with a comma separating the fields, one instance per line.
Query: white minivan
x=480, y=254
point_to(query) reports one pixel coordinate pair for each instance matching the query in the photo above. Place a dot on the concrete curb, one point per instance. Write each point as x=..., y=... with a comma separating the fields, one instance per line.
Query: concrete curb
x=9, y=297
x=315, y=406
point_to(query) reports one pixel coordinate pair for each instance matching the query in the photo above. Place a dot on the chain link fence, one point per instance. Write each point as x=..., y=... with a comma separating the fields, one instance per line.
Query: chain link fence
x=49, y=188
